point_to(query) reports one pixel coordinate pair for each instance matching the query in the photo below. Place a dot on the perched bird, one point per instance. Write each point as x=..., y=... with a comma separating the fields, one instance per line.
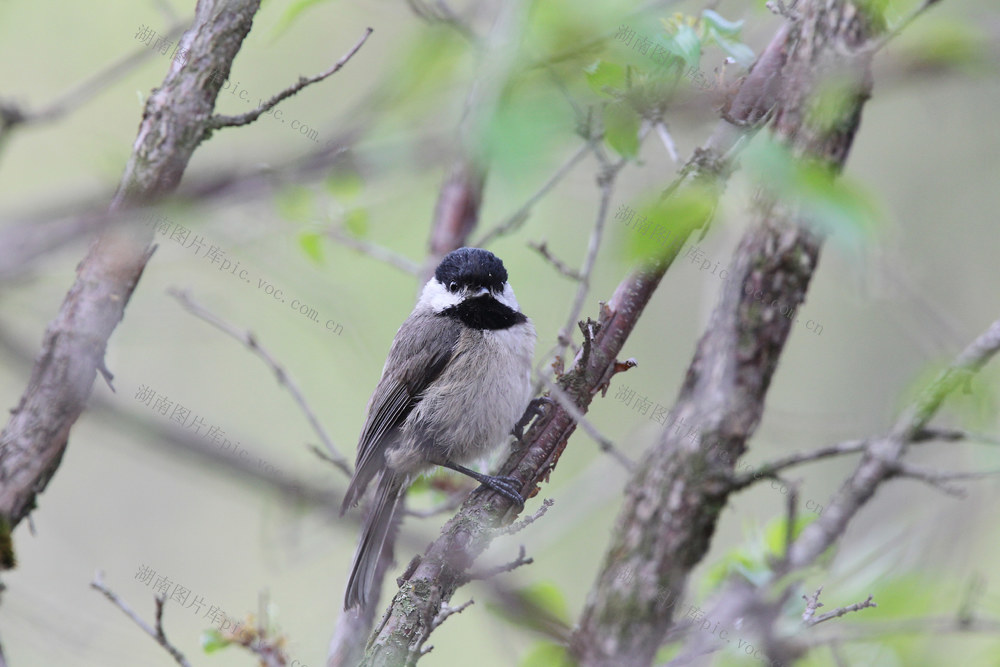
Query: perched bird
x=455, y=383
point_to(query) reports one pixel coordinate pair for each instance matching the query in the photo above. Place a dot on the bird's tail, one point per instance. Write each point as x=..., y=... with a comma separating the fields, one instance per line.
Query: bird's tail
x=376, y=527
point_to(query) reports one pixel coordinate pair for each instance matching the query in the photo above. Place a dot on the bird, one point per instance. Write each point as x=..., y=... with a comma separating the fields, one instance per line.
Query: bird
x=454, y=385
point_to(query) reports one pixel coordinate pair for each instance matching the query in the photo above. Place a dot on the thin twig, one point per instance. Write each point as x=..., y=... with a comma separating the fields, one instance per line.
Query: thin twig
x=219, y=121
x=813, y=603
x=499, y=569
x=518, y=217
x=606, y=182
x=884, y=455
x=878, y=631
x=769, y=470
x=880, y=43
x=373, y=250
x=518, y=526
x=446, y=16
x=543, y=250
x=668, y=141
x=442, y=615
x=791, y=513
x=248, y=339
x=939, y=480
x=11, y=115
x=447, y=611
x=158, y=635
x=567, y=404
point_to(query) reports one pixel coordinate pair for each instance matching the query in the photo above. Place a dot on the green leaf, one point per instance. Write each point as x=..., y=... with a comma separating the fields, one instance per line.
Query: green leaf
x=356, y=222
x=973, y=398
x=686, y=45
x=752, y=560
x=836, y=205
x=424, y=68
x=741, y=53
x=295, y=203
x=420, y=485
x=291, y=13
x=721, y=25
x=546, y=654
x=944, y=42
x=658, y=226
x=344, y=185
x=548, y=597
x=530, y=117
x=212, y=640
x=829, y=105
x=312, y=244
x=621, y=128
x=605, y=78
x=776, y=530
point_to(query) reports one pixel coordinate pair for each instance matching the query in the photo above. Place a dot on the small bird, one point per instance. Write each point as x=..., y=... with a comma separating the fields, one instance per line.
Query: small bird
x=457, y=379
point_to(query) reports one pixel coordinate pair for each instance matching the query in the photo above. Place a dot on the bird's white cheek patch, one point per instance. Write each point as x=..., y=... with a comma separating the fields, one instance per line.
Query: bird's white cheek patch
x=437, y=297
x=507, y=298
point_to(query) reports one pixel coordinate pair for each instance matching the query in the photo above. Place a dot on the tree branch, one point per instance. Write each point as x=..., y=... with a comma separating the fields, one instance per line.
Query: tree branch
x=248, y=339
x=13, y=116
x=673, y=502
x=883, y=456
x=33, y=442
x=158, y=635
x=219, y=121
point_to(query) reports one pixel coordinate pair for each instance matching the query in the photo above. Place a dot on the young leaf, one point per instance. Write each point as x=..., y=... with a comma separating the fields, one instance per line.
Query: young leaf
x=659, y=225
x=356, y=222
x=546, y=654
x=741, y=53
x=686, y=45
x=345, y=186
x=605, y=78
x=212, y=640
x=295, y=203
x=621, y=128
x=312, y=244
x=722, y=26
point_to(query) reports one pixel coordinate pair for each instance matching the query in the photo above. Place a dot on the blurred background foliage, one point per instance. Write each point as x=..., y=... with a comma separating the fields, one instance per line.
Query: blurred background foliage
x=908, y=278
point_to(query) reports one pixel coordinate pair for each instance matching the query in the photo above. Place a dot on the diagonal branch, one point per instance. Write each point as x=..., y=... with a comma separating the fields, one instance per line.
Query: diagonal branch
x=158, y=635
x=13, y=116
x=883, y=456
x=219, y=121
x=248, y=339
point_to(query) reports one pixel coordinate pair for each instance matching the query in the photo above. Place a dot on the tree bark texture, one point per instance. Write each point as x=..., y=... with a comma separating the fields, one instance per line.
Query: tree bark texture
x=673, y=502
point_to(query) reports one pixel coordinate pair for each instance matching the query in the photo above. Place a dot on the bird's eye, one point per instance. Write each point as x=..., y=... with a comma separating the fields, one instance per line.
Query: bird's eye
x=453, y=287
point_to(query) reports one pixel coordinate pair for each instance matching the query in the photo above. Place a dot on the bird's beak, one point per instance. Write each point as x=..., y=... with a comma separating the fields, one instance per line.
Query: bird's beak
x=483, y=291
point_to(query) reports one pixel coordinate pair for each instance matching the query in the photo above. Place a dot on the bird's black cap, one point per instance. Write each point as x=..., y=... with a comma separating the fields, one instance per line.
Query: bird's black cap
x=472, y=267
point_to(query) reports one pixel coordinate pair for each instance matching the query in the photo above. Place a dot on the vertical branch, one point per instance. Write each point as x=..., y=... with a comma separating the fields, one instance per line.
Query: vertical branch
x=673, y=502
x=72, y=353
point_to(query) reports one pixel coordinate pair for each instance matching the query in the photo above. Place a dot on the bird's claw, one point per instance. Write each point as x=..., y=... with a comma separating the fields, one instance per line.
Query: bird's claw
x=533, y=410
x=506, y=486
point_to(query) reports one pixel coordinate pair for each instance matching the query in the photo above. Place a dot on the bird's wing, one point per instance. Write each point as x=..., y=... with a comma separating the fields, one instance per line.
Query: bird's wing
x=420, y=351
